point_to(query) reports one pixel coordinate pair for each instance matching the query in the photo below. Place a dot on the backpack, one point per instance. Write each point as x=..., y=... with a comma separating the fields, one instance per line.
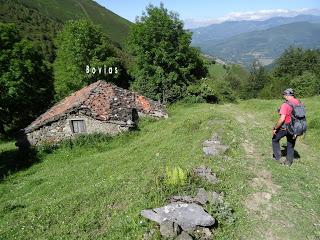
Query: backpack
x=298, y=123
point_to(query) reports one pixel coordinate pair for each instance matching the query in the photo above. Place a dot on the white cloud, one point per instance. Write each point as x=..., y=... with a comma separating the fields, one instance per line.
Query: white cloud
x=251, y=15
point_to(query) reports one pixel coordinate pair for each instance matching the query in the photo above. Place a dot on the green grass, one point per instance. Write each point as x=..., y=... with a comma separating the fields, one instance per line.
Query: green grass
x=217, y=70
x=115, y=26
x=297, y=213
x=97, y=190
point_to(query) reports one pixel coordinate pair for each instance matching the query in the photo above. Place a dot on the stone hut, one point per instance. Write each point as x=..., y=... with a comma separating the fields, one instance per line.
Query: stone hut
x=98, y=108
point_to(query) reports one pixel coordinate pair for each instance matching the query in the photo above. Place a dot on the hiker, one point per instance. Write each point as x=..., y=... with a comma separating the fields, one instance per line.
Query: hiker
x=281, y=128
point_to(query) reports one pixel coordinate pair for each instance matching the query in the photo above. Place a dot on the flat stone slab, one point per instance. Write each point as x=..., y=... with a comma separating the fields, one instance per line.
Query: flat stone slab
x=213, y=146
x=186, y=215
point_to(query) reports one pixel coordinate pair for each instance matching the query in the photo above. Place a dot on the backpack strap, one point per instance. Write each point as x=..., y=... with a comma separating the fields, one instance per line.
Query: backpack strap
x=290, y=104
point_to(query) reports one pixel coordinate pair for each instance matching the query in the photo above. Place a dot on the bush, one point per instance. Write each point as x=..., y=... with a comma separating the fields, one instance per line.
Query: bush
x=222, y=212
x=306, y=85
x=297, y=68
x=211, y=90
x=193, y=99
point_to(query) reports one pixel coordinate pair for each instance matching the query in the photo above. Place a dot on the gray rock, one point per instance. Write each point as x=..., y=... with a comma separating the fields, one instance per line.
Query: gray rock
x=202, y=196
x=181, y=199
x=184, y=236
x=152, y=216
x=206, y=174
x=169, y=229
x=188, y=216
x=213, y=146
x=215, y=197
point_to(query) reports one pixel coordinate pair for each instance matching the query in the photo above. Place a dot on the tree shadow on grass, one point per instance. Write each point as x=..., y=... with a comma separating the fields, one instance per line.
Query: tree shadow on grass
x=14, y=160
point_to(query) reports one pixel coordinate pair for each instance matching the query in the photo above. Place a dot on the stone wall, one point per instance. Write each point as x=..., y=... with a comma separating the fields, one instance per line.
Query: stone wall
x=104, y=107
x=62, y=129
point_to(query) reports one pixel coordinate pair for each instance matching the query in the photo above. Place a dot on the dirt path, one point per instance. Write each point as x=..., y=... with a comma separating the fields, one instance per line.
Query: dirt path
x=258, y=205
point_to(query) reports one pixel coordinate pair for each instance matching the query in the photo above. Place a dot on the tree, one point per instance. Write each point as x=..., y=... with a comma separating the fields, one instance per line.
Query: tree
x=238, y=79
x=81, y=45
x=257, y=80
x=294, y=61
x=164, y=63
x=297, y=68
x=211, y=90
x=306, y=85
x=26, y=85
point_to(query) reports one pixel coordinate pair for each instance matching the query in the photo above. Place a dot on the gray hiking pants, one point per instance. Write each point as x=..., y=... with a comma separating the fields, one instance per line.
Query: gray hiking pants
x=276, y=145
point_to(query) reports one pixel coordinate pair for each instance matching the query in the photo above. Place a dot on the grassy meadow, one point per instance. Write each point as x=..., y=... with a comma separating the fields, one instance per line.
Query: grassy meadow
x=95, y=187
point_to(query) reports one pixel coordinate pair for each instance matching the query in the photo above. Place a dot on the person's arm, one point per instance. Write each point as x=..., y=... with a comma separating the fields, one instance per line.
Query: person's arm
x=279, y=123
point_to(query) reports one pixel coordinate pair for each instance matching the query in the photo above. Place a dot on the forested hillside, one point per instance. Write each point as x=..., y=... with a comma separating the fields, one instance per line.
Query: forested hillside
x=113, y=25
x=264, y=45
x=228, y=29
x=40, y=21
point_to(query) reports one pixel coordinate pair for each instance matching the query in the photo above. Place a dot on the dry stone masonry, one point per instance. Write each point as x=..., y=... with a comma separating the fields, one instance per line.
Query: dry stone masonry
x=98, y=108
x=185, y=217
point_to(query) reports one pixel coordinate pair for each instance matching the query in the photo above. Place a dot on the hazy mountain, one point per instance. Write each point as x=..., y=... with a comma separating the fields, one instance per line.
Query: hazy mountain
x=265, y=45
x=231, y=28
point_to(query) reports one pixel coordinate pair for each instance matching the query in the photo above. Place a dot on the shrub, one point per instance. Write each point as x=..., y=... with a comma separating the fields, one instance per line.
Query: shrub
x=193, y=99
x=211, y=90
x=222, y=212
x=306, y=85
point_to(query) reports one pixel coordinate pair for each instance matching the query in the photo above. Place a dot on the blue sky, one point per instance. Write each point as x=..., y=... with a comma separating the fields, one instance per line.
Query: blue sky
x=203, y=12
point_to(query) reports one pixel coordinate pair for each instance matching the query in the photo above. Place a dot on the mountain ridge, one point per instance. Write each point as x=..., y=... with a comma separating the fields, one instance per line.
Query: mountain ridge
x=263, y=45
x=231, y=28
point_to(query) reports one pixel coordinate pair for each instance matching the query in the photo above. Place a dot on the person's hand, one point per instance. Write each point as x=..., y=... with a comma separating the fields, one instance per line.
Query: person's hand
x=274, y=131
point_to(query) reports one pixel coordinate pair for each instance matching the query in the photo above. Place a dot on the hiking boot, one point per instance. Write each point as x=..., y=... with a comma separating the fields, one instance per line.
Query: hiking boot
x=274, y=159
x=287, y=163
x=278, y=160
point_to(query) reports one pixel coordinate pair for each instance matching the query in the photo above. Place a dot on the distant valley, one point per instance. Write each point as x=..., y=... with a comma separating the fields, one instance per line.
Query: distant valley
x=244, y=41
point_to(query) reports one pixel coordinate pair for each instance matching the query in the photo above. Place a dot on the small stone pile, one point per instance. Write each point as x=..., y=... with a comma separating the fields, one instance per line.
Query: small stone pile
x=184, y=217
